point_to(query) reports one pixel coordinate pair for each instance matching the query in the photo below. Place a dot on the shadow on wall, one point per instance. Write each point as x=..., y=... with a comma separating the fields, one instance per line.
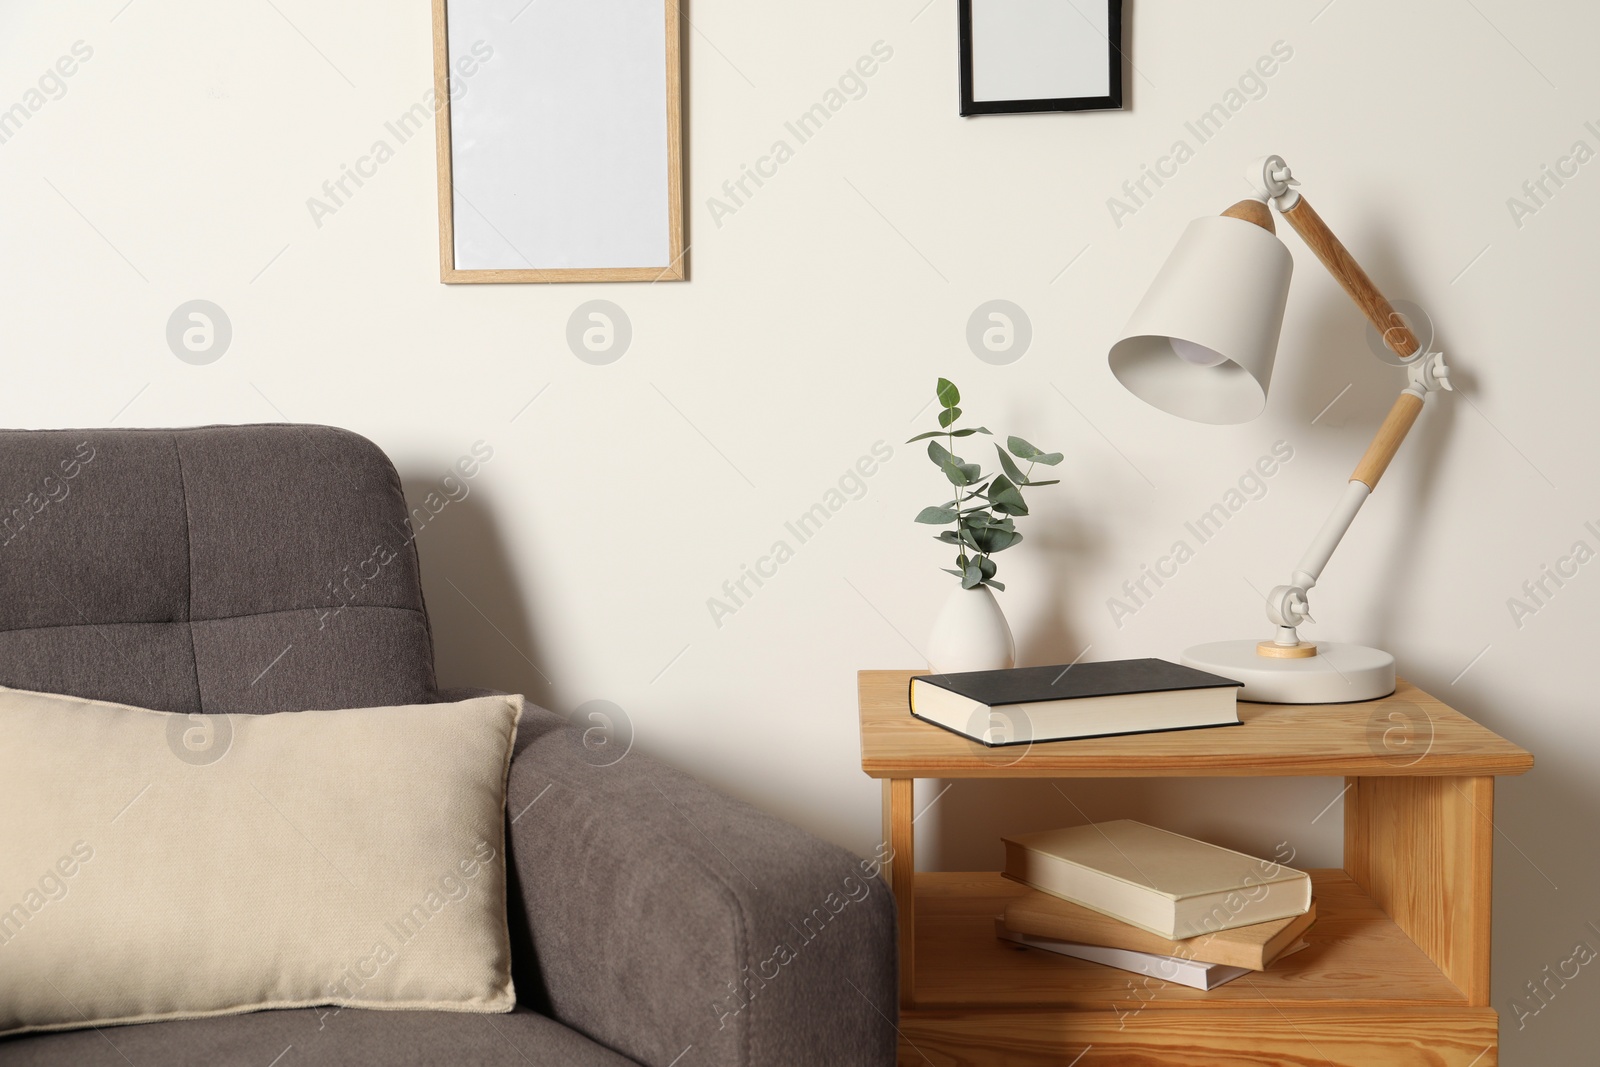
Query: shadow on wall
x=482, y=632
x=1546, y=925
x=1342, y=390
x=1129, y=81
x=1061, y=545
x=1280, y=818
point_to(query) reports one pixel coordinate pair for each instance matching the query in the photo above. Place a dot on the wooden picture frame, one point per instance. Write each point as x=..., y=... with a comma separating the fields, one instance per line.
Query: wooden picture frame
x=1072, y=29
x=571, y=238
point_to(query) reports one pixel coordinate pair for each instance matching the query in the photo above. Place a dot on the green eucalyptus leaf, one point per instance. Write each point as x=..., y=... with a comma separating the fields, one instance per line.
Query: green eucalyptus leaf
x=984, y=507
x=994, y=539
x=956, y=472
x=1004, y=497
x=1009, y=465
x=1022, y=449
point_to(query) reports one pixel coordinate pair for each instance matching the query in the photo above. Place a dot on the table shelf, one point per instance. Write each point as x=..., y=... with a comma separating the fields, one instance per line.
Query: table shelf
x=1406, y=735
x=1358, y=958
x=1397, y=972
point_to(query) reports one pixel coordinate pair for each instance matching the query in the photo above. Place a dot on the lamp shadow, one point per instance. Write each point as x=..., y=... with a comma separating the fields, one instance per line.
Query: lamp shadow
x=1345, y=390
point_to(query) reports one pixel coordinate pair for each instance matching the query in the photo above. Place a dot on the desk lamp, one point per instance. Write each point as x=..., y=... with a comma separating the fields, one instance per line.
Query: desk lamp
x=1201, y=345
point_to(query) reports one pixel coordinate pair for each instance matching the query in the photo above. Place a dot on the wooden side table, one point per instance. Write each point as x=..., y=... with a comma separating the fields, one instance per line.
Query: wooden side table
x=1398, y=968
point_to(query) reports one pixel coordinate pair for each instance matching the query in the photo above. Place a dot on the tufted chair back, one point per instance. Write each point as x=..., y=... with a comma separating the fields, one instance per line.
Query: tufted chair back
x=217, y=569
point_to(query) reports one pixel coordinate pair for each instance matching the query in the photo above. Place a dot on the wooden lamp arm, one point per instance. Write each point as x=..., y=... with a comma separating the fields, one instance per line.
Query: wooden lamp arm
x=1386, y=442
x=1286, y=605
x=1343, y=266
x=1376, y=307
x=1396, y=334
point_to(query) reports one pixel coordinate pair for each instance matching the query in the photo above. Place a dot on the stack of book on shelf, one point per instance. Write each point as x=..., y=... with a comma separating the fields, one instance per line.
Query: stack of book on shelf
x=1154, y=902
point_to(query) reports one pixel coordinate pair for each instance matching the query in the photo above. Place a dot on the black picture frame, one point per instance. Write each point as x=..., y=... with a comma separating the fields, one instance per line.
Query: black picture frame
x=1112, y=101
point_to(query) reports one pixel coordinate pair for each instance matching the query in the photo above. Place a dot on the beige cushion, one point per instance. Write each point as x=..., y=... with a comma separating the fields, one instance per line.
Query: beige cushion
x=161, y=866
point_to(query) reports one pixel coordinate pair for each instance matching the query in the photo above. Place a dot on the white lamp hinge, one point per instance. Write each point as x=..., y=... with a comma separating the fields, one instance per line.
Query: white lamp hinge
x=1272, y=180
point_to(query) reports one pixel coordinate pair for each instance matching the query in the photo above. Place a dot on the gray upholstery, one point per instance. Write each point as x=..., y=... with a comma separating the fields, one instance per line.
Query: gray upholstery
x=651, y=898
x=320, y=1038
x=237, y=569
x=176, y=566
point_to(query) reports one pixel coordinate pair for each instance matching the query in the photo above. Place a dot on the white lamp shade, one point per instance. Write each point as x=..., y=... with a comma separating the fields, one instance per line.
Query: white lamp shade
x=1201, y=343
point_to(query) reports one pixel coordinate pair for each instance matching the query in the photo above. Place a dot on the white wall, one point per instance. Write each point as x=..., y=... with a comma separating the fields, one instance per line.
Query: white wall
x=178, y=164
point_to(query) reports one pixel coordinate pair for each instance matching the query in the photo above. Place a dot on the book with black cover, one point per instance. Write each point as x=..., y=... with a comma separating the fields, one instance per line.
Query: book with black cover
x=1030, y=704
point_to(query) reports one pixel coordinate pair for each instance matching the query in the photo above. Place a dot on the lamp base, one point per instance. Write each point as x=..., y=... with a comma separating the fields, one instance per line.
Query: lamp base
x=1337, y=674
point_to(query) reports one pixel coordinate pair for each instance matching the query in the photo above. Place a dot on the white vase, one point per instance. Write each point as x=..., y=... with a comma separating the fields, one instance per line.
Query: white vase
x=971, y=634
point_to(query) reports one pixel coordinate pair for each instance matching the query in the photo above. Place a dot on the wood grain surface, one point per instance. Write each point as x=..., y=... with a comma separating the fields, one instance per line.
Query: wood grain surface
x=1407, y=734
x=1423, y=849
x=1358, y=957
x=1260, y=1037
x=1343, y=266
x=1386, y=442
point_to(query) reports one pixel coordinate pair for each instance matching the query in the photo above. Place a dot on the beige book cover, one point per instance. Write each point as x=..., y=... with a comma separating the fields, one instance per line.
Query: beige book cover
x=1159, y=881
x=1251, y=947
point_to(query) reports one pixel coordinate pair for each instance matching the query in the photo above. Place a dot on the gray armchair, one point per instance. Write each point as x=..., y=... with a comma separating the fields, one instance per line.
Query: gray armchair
x=654, y=921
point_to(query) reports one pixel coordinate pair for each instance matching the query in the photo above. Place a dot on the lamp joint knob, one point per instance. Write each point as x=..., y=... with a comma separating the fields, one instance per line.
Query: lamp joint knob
x=1272, y=180
x=1287, y=606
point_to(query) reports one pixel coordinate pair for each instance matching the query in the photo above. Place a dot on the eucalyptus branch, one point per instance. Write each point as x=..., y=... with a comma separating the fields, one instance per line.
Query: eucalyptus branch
x=978, y=532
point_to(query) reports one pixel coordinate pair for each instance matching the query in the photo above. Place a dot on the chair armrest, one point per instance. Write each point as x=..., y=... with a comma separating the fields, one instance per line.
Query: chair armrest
x=657, y=913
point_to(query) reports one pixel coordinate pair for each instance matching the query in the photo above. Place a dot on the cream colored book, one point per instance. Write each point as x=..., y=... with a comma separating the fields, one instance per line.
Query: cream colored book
x=1167, y=968
x=1159, y=881
x=1252, y=947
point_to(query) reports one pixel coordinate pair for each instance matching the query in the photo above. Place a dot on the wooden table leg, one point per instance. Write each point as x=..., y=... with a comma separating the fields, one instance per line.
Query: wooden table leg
x=901, y=872
x=1423, y=847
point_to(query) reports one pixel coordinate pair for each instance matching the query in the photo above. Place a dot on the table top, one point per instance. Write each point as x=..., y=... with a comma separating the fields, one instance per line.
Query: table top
x=1405, y=735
